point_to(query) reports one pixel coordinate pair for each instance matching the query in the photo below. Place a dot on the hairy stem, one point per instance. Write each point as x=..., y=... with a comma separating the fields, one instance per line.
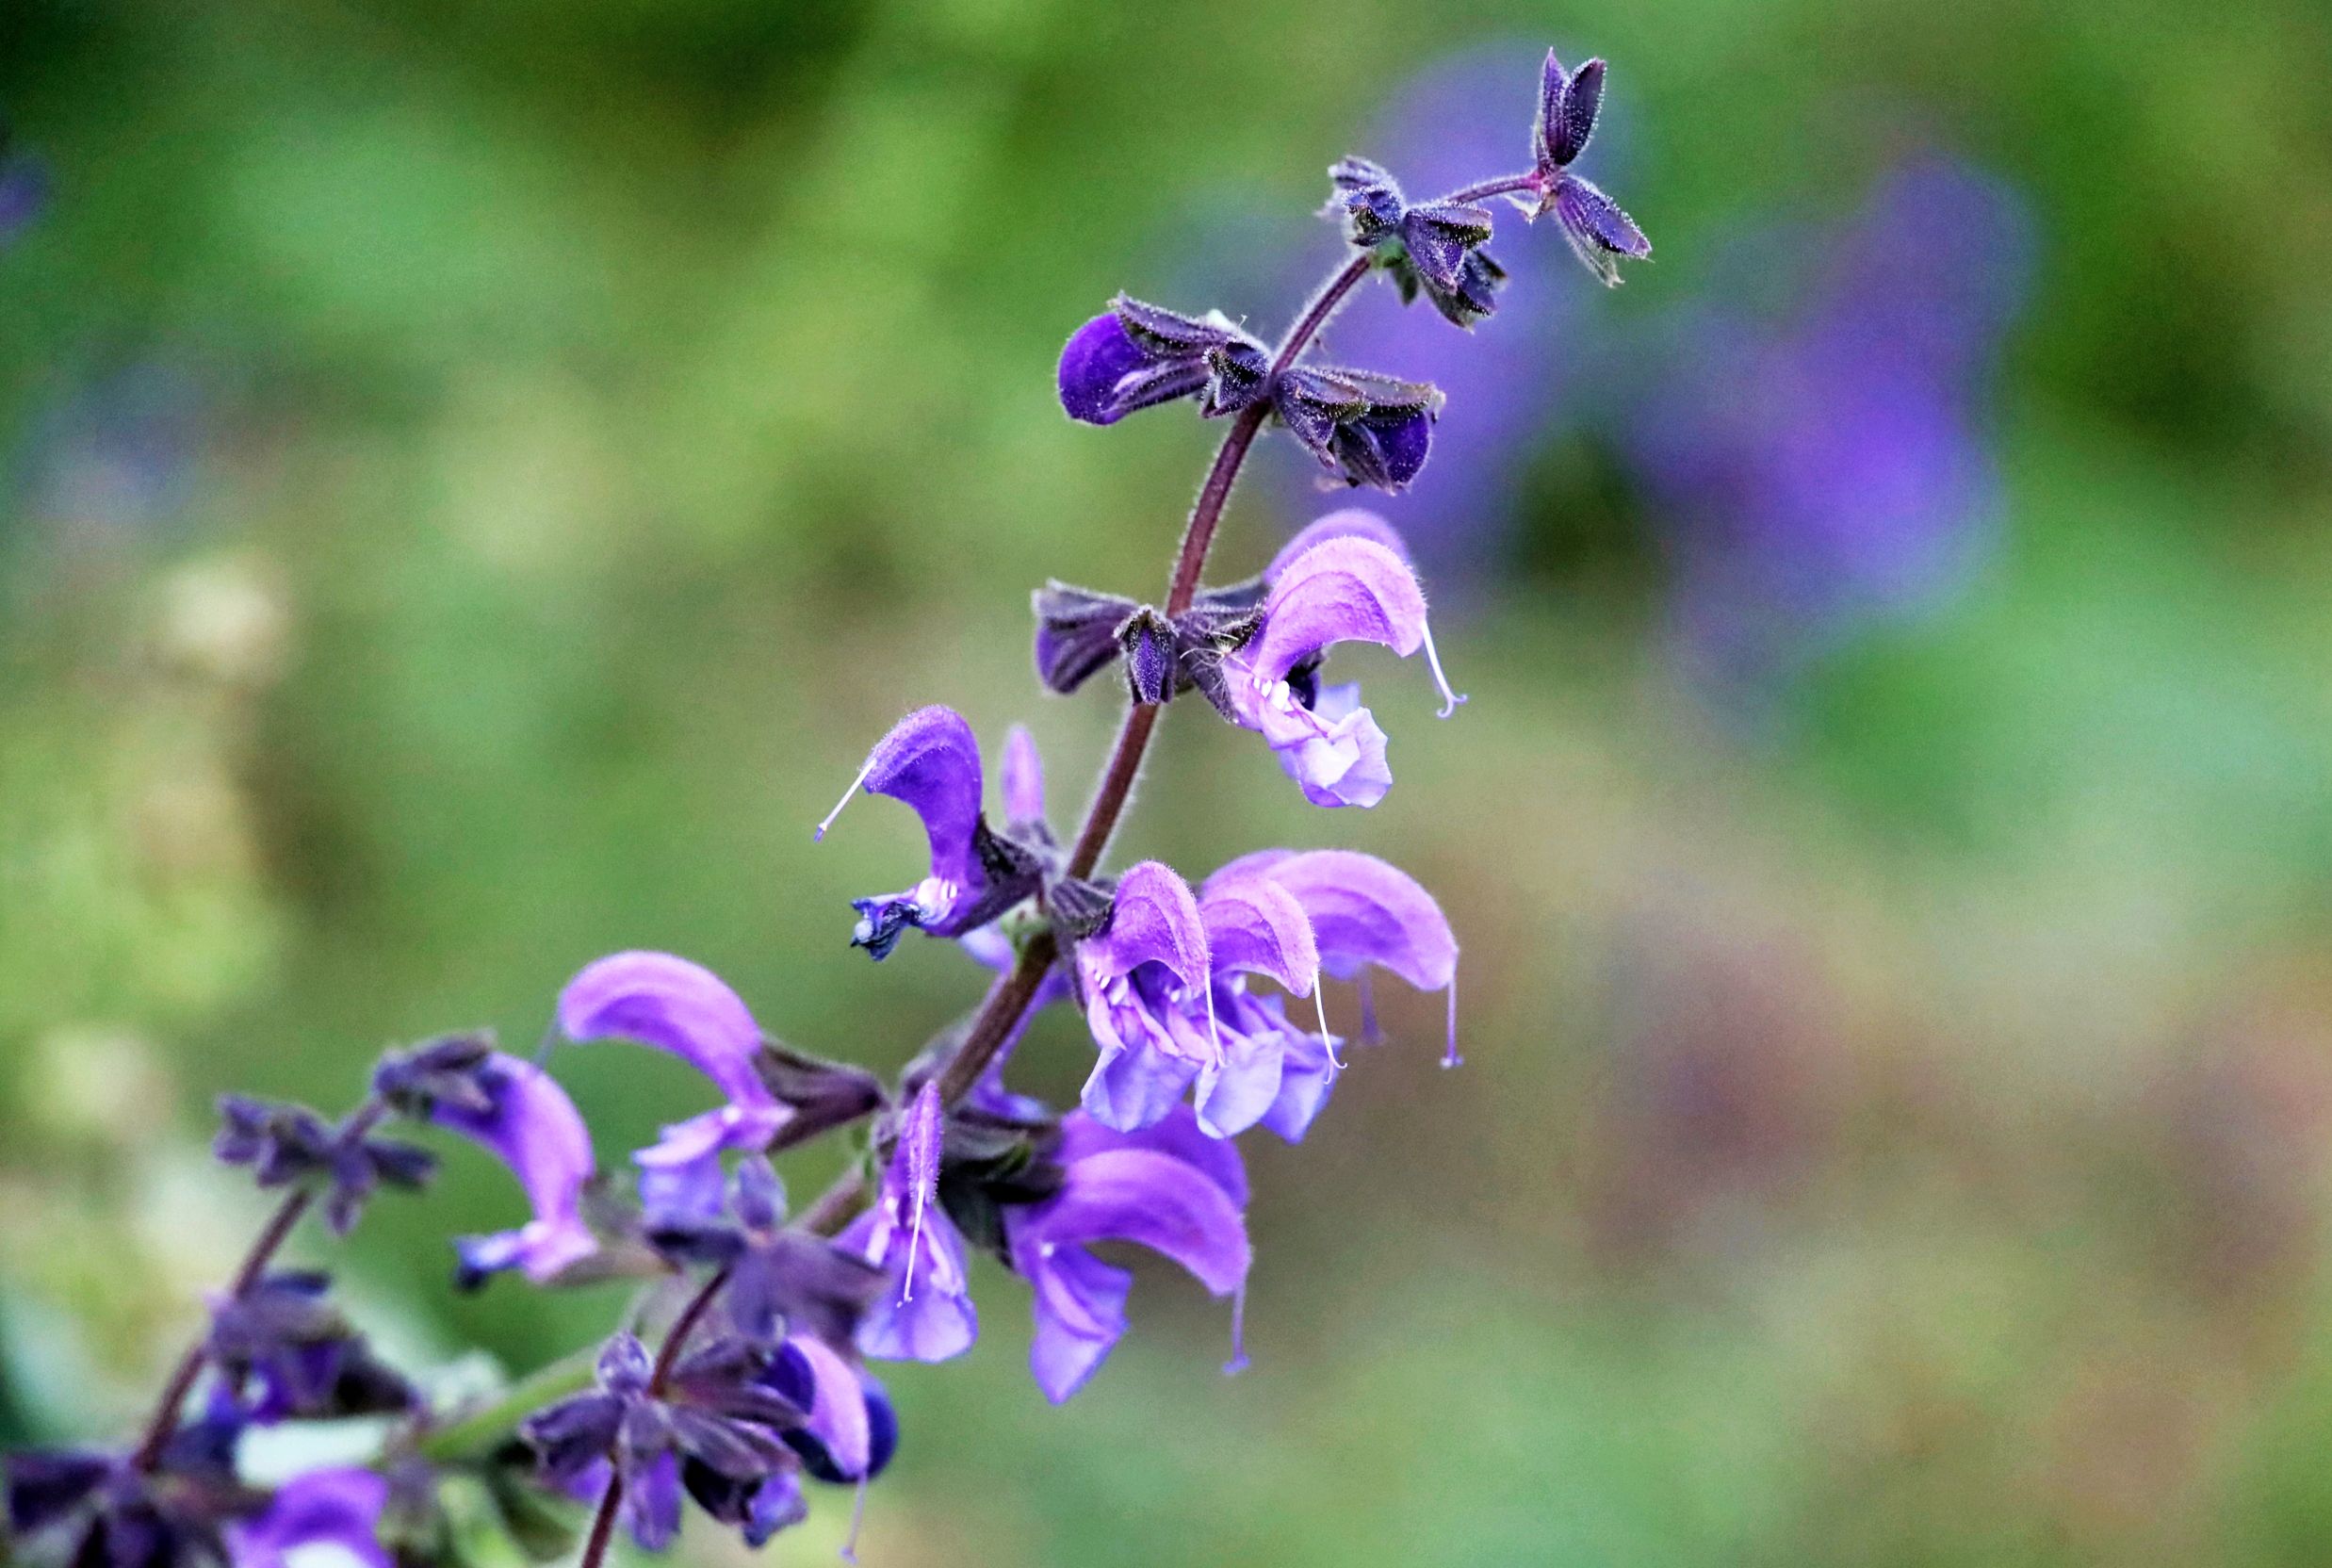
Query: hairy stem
x=675, y=1339
x=1505, y=185
x=603, y=1523
x=163, y=1423
x=1001, y=1013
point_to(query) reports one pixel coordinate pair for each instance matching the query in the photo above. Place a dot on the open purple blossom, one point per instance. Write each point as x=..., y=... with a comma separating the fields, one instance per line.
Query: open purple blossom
x=1362, y=427
x=1342, y=580
x=927, y=1314
x=682, y=1007
x=1600, y=233
x=337, y=1508
x=1366, y=915
x=1169, y=1187
x=1149, y=979
x=930, y=761
x=1168, y=996
x=532, y=1127
x=1433, y=247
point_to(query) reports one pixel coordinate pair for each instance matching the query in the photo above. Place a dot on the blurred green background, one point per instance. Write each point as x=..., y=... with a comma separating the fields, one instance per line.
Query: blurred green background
x=478, y=477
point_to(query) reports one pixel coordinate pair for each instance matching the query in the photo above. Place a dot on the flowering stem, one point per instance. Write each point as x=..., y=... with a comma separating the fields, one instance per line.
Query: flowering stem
x=163, y=1423
x=1001, y=1012
x=676, y=1340
x=1504, y=185
x=603, y=1523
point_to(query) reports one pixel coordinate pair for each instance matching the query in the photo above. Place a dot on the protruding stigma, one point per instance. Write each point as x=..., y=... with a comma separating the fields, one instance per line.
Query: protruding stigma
x=1449, y=1052
x=1451, y=702
x=1238, y=1361
x=820, y=832
x=1327, y=1040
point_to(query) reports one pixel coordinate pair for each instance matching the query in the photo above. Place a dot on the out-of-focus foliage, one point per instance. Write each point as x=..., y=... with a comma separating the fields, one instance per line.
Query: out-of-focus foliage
x=477, y=476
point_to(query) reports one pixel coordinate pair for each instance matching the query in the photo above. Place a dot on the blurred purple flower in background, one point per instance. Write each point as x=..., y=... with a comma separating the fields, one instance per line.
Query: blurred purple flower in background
x=1825, y=466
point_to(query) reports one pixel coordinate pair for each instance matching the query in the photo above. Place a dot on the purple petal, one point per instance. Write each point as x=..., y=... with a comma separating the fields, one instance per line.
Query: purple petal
x=1364, y=911
x=1080, y=1306
x=1128, y=1089
x=1352, y=522
x=1340, y=760
x=836, y=1403
x=931, y=763
x=1153, y=919
x=939, y=1323
x=1176, y=1135
x=1141, y=1195
x=1257, y=925
x=1022, y=777
x=1096, y=358
x=336, y=1508
x=1306, y=1076
x=667, y=1002
x=1237, y=1087
x=534, y=1129
x=1575, y=123
x=1346, y=589
x=1127, y=1194
x=651, y=1505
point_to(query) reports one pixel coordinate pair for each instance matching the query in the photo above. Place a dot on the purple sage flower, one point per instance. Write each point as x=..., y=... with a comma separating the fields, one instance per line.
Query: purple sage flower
x=1166, y=984
x=533, y=1128
x=927, y=1314
x=682, y=1007
x=1345, y=579
x=338, y=1508
x=931, y=761
x=1169, y=1187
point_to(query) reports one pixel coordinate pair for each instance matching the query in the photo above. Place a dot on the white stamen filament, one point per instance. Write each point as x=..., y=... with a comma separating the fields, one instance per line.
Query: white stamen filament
x=915, y=1245
x=1451, y=702
x=1238, y=1362
x=1449, y=1052
x=1326, y=1039
x=857, y=1521
x=820, y=832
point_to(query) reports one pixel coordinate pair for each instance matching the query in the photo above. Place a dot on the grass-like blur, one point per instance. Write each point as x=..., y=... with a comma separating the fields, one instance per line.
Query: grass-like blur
x=478, y=477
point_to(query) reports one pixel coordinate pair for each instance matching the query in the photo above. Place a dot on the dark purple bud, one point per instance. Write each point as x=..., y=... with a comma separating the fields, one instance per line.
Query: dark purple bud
x=777, y=1506
x=399, y=1164
x=1076, y=632
x=1097, y=358
x=624, y=1366
x=1141, y=354
x=1574, y=120
x=1146, y=640
x=450, y=1070
x=1598, y=231
x=1365, y=428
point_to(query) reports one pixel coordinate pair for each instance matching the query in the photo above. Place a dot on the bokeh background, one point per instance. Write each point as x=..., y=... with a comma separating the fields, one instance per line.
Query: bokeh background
x=475, y=478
